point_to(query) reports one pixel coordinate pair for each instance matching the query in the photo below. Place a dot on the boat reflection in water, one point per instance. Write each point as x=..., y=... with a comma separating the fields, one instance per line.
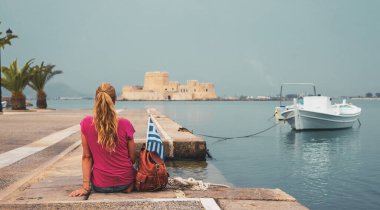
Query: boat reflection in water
x=325, y=162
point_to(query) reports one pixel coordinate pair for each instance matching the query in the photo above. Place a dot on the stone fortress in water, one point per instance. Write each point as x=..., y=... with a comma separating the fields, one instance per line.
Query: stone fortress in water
x=158, y=87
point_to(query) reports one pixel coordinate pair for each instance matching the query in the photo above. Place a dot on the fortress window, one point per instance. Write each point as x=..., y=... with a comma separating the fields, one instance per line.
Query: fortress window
x=166, y=89
x=206, y=90
x=195, y=90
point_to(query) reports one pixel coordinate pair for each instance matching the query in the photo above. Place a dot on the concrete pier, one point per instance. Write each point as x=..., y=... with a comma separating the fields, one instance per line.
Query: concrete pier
x=181, y=145
x=44, y=178
x=178, y=145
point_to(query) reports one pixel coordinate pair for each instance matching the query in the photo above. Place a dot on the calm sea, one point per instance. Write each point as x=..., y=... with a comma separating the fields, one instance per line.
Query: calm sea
x=322, y=169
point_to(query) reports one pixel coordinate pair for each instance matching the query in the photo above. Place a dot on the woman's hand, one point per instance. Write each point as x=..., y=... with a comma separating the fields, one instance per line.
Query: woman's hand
x=80, y=192
x=86, y=170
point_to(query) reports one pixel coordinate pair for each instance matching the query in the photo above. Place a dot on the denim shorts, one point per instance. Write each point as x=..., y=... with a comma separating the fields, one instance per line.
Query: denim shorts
x=111, y=189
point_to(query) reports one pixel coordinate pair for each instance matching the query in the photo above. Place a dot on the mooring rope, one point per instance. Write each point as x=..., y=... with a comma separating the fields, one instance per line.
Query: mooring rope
x=222, y=138
x=190, y=183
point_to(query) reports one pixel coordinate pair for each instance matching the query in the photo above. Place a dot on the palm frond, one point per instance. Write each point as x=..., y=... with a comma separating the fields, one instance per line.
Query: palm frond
x=15, y=79
x=41, y=75
x=53, y=73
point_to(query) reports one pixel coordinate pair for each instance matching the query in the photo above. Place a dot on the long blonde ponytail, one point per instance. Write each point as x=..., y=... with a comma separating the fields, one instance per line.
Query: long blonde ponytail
x=105, y=117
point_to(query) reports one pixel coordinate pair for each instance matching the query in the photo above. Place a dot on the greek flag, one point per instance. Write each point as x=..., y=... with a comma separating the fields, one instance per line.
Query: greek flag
x=153, y=140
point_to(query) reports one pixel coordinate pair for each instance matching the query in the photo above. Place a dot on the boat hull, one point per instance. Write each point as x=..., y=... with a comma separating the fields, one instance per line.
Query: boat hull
x=308, y=120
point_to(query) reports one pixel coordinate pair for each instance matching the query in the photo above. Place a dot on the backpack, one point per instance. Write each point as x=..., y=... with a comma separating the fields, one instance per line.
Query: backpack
x=151, y=174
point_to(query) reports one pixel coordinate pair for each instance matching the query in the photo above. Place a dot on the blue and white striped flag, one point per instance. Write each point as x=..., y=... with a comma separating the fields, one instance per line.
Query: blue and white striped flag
x=153, y=140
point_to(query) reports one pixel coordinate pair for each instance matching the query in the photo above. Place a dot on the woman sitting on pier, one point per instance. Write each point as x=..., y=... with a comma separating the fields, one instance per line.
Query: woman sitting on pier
x=108, y=147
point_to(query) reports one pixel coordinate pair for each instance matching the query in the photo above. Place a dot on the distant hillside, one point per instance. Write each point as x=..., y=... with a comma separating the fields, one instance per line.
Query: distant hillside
x=53, y=90
x=60, y=89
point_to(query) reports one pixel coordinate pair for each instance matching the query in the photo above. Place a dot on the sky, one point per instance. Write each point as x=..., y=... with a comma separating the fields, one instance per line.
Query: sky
x=244, y=47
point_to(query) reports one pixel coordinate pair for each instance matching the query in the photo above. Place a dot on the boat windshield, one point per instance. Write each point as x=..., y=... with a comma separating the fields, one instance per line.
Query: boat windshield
x=297, y=90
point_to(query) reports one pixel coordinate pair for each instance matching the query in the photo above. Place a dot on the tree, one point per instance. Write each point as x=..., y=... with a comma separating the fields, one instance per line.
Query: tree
x=242, y=97
x=368, y=95
x=4, y=41
x=378, y=95
x=7, y=39
x=15, y=80
x=40, y=75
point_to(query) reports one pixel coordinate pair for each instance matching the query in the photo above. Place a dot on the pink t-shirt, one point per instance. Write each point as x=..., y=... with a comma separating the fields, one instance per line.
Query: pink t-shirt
x=110, y=169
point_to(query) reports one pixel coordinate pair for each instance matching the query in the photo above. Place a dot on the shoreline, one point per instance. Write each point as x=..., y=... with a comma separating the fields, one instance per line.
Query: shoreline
x=366, y=99
x=217, y=100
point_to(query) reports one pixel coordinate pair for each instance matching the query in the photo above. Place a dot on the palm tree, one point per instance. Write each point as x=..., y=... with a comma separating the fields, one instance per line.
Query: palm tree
x=7, y=39
x=15, y=80
x=39, y=77
x=4, y=41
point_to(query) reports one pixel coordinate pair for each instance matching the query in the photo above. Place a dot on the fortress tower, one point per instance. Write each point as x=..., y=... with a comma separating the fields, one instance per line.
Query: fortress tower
x=156, y=81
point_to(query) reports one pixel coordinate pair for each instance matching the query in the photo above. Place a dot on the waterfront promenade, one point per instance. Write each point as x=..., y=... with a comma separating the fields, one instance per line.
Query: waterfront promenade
x=40, y=164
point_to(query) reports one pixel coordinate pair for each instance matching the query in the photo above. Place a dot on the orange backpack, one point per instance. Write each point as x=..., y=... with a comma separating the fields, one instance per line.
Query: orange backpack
x=151, y=174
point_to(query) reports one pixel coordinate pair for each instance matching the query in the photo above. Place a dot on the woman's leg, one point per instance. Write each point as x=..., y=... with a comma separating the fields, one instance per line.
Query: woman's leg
x=123, y=188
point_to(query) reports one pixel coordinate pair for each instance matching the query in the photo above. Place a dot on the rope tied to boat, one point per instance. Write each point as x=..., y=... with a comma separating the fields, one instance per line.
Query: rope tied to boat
x=222, y=138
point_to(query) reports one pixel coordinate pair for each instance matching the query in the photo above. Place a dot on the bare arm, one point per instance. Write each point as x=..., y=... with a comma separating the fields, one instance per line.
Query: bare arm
x=86, y=170
x=131, y=150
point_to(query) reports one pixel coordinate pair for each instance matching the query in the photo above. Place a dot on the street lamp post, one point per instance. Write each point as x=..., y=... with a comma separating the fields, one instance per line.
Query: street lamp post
x=9, y=36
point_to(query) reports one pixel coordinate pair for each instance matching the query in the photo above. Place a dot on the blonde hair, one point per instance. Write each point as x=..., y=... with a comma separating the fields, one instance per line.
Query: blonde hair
x=105, y=118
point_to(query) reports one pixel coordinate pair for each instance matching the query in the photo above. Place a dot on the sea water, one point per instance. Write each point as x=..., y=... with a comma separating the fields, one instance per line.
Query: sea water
x=338, y=169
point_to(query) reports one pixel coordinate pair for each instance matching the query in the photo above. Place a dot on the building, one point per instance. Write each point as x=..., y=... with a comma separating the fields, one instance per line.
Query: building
x=158, y=87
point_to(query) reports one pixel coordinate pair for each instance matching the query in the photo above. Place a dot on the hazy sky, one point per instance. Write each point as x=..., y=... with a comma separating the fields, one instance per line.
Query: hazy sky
x=243, y=47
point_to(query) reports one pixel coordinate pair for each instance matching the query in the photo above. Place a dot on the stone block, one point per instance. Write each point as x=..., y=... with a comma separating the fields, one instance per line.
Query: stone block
x=190, y=150
x=46, y=194
x=132, y=195
x=256, y=205
x=241, y=194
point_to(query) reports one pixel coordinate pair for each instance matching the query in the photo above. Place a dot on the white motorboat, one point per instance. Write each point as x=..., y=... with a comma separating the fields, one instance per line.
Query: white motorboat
x=317, y=112
x=4, y=104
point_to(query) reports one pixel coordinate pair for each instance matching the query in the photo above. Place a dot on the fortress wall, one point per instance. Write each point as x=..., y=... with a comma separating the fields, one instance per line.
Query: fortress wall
x=204, y=91
x=128, y=88
x=193, y=86
x=143, y=95
x=192, y=83
x=156, y=81
x=172, y=86
x=203, y=96
x=182, y=96
x=200, y=90
x=183, y=89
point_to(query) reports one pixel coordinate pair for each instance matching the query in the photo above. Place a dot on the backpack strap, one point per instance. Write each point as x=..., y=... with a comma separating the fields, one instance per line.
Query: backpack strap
x=156, y=158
